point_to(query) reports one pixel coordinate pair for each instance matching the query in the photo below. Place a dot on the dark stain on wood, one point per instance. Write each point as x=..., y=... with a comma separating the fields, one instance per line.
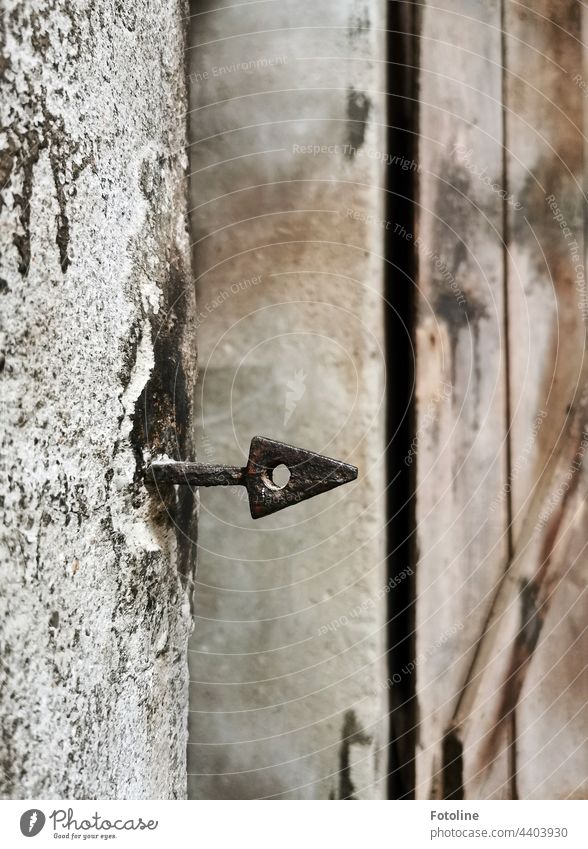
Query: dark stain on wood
x=452, y=767
x=352, y=735
x=534, y=600
x=459, y=313
x=359, y=25
x=358, y=109
x=531, y=616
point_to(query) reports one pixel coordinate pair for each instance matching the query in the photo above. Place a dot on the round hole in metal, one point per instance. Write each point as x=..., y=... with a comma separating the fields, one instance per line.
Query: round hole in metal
x=280, y=476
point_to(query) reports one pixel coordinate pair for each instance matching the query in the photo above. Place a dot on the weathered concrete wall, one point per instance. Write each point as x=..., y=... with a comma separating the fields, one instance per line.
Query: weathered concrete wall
x=98, y=367
x=288, y=658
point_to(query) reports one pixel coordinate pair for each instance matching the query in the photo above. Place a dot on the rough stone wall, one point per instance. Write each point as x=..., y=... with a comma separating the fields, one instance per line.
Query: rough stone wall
x=98, y=365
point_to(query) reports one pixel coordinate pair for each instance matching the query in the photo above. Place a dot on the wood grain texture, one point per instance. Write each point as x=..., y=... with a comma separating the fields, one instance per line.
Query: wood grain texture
x=461, y=414
x=288, y=144
x=547, y=304
x=517, y=725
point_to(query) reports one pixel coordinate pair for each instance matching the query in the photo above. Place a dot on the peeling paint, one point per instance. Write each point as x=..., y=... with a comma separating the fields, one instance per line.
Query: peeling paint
x=139, y=376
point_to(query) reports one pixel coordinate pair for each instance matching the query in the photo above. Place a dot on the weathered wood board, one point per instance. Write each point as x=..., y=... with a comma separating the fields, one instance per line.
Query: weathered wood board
x=460, y=456
x=552, y=717
x=288, y=655
x=532, y=657
x=516, y=718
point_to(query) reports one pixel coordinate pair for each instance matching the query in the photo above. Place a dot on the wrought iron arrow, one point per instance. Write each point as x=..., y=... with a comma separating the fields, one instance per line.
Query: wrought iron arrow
x=310, y=474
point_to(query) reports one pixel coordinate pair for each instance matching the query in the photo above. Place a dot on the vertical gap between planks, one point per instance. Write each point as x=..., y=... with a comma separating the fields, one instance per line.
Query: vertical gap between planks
x=400, y=272
x=512, y=736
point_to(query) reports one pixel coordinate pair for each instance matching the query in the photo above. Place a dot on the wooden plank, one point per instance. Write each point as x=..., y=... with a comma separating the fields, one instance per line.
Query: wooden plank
x=550, y=550
x=524, y=693
x=288, y=654
x=552, y=716
x=460, y=450
x=544, y=104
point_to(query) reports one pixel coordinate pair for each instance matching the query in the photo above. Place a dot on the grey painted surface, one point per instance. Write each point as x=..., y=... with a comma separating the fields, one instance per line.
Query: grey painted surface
x=96, y=292
x=287, y=658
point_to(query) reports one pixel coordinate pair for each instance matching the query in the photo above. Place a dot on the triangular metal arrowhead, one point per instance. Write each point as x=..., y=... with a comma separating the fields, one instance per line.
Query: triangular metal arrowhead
x=310, y=474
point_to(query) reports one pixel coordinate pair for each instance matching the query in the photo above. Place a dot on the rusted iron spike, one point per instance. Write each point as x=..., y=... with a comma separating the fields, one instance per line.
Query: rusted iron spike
x=310, y=474
x=175, y=471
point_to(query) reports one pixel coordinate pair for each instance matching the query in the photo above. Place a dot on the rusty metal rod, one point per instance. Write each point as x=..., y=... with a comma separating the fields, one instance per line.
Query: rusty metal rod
x=196, y=474
x=310, y=475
